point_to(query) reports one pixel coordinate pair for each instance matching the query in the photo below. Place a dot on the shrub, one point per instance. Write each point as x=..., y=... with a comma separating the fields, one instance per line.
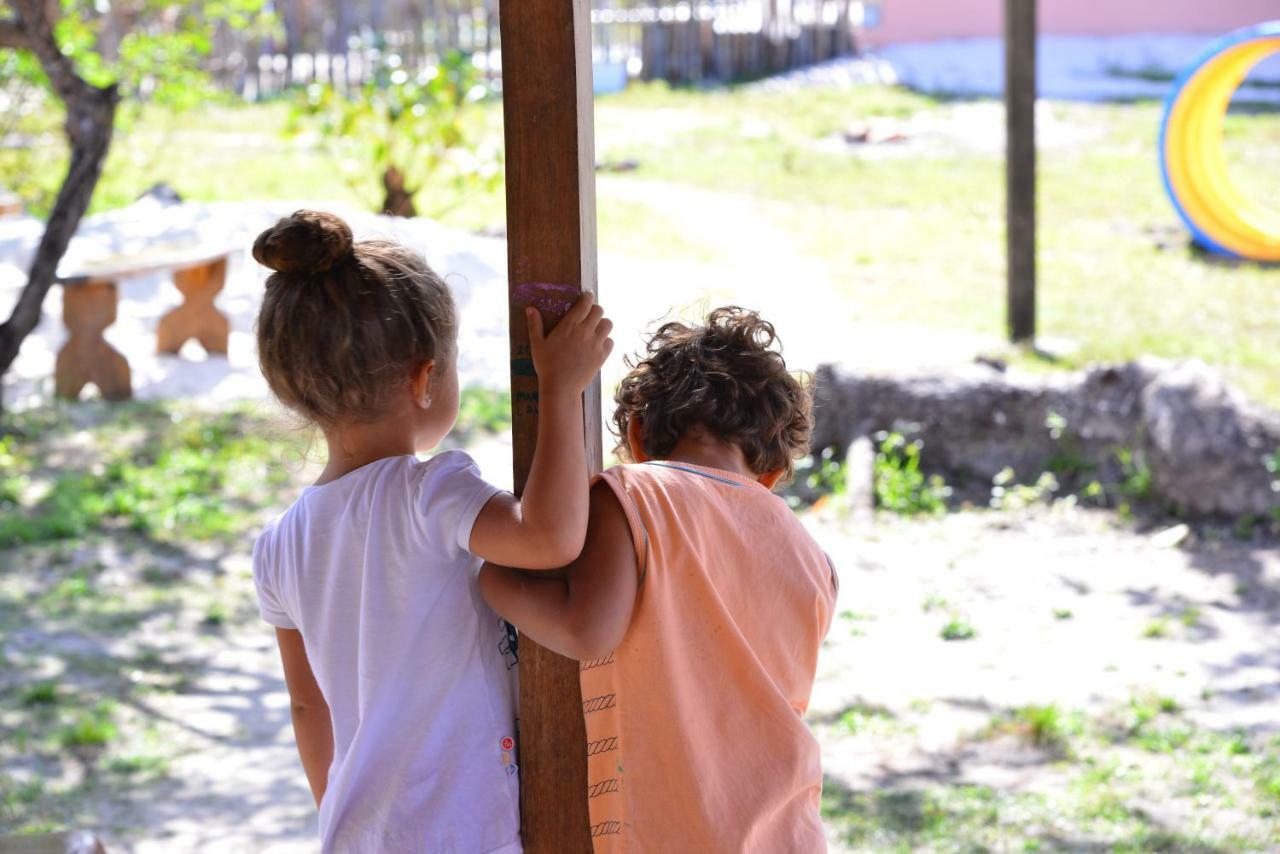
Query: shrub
x=1007, y=495
x=409, y=132
x=900, y=486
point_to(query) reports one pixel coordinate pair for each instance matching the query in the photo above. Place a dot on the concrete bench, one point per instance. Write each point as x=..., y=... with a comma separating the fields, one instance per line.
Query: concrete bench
x=91, y=295
x=10, y=205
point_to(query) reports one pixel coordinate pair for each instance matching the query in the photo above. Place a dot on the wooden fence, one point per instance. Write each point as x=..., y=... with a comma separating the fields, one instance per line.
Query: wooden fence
x=682, y=42
x=694, y=51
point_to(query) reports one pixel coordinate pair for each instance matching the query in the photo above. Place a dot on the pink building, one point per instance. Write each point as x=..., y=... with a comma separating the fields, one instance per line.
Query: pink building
x=1090, y=49
x=931, y=20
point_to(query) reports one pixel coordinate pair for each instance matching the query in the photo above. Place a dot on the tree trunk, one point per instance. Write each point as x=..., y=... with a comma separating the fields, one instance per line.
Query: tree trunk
x=294, y=20
x=343, y=14
x=90, y=121
x=399, y=198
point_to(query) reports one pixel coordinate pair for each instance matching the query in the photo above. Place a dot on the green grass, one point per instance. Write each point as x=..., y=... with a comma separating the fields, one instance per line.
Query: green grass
x=160, y=473
x=40, y=694
x=1221, y=790
x=867, y=719
x=899, y=818
x=957, y=629
x=918, y=239
x=484, y=410
x=215, y=615
x=114, y=610
x=933, y=602
x=899, y=484
x=1044, y=725
x=89, y=729
x=166, y=471
x=1156, y=629
x=1145, y=708
x=823, y=474
x=135, y=766
x=967, y=817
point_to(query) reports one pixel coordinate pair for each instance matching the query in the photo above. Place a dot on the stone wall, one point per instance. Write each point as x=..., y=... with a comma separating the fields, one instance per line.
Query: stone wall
x=1206, y=445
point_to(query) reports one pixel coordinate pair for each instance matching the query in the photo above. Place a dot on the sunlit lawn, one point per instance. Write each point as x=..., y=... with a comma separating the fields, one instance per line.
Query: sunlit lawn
x=914, y=238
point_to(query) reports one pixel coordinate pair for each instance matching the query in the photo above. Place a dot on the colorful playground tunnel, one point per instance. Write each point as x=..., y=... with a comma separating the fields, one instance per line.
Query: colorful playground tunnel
x=1221, y=217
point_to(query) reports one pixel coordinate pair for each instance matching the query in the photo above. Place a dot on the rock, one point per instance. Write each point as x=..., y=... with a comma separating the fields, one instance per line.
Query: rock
x=162, y=193
x=1207, y=445
x=1172, y=537
x=1204, y=443
x=859, y=473
x=629, y=164
x=977, y=421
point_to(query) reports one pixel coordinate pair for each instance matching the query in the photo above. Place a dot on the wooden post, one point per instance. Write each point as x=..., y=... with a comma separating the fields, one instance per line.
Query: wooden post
x=551, y=254
x=1020, y=32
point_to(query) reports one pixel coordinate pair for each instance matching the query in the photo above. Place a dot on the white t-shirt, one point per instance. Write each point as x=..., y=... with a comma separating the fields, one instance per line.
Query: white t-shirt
x=418, y=672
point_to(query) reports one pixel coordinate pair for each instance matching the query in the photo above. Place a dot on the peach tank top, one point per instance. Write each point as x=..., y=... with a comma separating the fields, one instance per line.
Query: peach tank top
x=695, y=735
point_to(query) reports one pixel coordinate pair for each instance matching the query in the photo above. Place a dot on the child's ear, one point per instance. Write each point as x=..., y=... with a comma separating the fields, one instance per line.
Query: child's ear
x=770, y=478
x=420, y=384
x=635, y=440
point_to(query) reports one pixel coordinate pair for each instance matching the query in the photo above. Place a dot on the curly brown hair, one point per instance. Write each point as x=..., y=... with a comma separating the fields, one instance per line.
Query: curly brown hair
x=343, y=323
x=727, y=377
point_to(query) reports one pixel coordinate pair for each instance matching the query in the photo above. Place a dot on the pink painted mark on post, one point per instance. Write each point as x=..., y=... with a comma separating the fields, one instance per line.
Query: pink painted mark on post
x=551, y=299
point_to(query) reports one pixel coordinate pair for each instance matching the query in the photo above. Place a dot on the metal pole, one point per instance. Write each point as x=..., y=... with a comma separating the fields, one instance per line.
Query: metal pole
x=1020, y=165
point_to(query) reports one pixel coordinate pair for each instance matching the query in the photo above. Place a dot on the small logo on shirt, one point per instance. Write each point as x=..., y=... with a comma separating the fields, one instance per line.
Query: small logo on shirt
x=509, y=646
x=508, y=744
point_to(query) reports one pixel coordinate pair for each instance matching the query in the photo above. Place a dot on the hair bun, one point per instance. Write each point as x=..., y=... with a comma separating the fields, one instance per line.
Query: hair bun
x=306, y=243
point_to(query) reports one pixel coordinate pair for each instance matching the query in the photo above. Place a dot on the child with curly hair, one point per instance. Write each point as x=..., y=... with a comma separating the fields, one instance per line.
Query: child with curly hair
x=698, y=604
x=398, y=672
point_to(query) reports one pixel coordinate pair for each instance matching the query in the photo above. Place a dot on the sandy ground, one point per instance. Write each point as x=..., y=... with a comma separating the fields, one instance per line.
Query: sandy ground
x=237, y=786
x=1006, y=574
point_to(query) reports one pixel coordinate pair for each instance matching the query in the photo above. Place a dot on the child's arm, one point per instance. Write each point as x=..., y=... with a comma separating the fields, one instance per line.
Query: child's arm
x=312, y=726
x=585, y=614
x=544, y=528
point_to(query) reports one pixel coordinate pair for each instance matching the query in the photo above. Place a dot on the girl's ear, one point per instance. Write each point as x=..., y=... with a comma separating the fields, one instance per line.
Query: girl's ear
x=770, y=478
x=635, y=440
x=420, y=384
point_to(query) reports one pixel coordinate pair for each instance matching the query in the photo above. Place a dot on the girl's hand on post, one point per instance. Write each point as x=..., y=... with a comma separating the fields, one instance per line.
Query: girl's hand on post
x=546, y=527
x=568, y=357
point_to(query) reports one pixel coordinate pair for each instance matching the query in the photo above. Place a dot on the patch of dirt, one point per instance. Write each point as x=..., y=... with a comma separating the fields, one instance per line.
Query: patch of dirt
x=1069, y=608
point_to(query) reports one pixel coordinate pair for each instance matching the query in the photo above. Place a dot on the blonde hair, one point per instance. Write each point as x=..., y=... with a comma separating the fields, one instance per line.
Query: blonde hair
x=343, y=323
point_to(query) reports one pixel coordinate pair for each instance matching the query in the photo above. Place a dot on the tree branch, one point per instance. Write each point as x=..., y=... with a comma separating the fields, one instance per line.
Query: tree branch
x=35, y=22
x=11, y=34
x=89, y=124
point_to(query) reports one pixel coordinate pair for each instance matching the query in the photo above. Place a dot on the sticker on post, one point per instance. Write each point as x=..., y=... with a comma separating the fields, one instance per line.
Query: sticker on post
x=550, y=299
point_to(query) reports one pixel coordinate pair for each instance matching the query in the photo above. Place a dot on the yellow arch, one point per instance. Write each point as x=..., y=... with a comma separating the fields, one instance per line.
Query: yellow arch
x=1196, y=164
